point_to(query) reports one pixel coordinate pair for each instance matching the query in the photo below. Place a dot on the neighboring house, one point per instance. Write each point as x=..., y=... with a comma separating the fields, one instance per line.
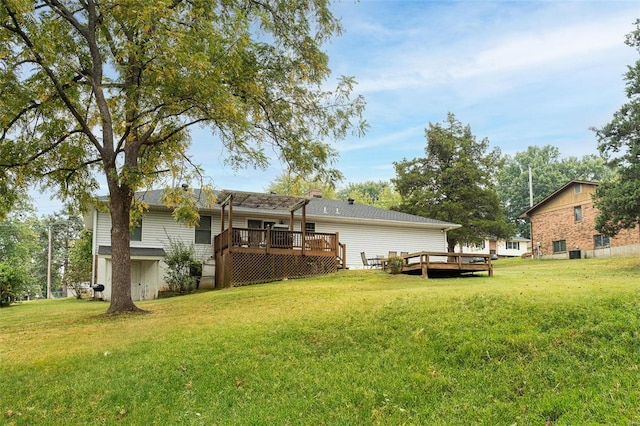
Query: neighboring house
x=513, y=247
x=563, y=226
x=359, y=227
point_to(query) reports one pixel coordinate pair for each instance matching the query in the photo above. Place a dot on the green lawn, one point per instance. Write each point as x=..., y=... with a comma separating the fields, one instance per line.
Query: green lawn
x=542, y=342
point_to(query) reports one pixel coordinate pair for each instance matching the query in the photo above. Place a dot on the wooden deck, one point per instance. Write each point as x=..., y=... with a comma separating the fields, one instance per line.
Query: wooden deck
x=249, y=256
x=444, y=264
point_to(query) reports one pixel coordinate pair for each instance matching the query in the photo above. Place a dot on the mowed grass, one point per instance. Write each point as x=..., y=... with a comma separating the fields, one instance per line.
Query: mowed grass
x=540, y=343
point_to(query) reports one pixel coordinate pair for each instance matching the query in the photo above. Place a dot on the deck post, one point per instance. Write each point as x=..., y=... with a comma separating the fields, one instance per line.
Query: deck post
x=424, y=266
x=303, y=227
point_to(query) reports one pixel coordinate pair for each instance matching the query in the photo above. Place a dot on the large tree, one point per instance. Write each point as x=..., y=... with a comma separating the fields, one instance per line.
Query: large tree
x=618, y=198
x=549, y=172
x=454, y=182
x=107, y=91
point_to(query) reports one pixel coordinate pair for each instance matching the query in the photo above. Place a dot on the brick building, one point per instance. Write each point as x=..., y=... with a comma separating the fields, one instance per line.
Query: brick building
x=563, y=226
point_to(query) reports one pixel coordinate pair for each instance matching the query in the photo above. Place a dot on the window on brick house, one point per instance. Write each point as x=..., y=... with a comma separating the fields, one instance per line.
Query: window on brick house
x=577, y=213
x=601, y=241
x=560, y=246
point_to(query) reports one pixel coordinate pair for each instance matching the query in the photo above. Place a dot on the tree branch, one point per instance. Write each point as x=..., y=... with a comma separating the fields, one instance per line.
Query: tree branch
x=41, y=153
x=59, y=87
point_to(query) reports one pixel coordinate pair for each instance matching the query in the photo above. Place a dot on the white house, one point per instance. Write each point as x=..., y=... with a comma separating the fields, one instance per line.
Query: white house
x=360, y=228
x=514, y=247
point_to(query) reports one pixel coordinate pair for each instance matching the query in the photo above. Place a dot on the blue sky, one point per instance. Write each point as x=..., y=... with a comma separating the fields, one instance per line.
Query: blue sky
x=520, y=73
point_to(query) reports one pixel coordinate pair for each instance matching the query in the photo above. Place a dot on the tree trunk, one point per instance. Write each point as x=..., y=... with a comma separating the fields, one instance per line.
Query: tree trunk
x=119, y=207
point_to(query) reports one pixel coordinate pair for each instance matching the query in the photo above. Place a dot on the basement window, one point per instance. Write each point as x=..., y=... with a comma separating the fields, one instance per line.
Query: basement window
x=601, y=241
x=560, y=246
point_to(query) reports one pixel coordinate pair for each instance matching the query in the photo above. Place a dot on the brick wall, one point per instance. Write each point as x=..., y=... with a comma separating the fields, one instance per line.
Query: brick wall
x=560, y=224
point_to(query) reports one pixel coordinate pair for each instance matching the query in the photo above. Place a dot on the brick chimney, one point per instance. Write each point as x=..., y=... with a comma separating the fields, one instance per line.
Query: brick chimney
x=314, y=193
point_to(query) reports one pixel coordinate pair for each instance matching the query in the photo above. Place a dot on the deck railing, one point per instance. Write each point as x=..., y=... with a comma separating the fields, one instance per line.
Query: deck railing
x=281, y=239
x=445, y=261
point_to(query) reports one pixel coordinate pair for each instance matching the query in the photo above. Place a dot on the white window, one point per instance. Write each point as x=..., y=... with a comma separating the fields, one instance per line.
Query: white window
x=513, y=245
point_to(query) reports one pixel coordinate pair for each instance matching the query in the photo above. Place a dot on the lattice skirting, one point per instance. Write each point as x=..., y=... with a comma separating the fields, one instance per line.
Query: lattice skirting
x=254, y=268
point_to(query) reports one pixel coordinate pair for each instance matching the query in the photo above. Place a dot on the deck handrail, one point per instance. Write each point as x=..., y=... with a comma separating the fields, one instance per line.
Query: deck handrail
x=276, y=239
x=429, y=259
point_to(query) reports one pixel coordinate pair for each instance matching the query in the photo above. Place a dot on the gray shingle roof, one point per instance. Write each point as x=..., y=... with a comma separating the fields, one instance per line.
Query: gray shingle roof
x=339, y=208
x=322, y=207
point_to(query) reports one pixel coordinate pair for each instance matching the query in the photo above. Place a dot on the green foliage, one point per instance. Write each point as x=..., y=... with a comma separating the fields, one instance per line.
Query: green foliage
x=618, y=198
x=455, y=182
x=395, y=263
x=24, y=243
x=540, y=342
x=290, y=184
x=18, y=249
x=65, y=226
x=549, y=172
x=180, y=261
x=379, y=194
x=14, y=283
x=80, y=264
x=108, y=91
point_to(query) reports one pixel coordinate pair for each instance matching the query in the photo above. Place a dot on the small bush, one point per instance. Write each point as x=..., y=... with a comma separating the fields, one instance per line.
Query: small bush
x=179, y=261
x=395, y=263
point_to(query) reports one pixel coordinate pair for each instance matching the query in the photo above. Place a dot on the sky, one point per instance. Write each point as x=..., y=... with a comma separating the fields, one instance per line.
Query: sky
x=519, y=73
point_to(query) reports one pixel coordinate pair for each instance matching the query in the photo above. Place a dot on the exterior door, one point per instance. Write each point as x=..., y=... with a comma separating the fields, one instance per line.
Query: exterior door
x=137, y=290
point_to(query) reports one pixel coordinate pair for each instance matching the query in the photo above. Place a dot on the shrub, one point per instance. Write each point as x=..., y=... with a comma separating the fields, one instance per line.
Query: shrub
x=395, y=263
x=179, y=261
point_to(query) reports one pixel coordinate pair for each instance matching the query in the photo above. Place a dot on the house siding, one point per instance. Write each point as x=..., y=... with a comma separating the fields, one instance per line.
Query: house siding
x=156, y=227
x=147, y=273
x=503, y=251
x=497, y=247
x=371, y=238
x=377, y=240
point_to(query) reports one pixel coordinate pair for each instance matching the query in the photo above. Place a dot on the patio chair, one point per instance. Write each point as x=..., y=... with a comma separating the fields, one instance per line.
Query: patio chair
x=371, y=262
x=392, y=254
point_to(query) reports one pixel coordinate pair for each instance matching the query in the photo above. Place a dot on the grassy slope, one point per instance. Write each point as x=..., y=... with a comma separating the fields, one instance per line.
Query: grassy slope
x=541, y=342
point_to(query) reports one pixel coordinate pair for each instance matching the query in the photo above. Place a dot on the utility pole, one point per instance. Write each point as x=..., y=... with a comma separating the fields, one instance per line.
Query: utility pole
x=49, y=267
x=530, y=188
